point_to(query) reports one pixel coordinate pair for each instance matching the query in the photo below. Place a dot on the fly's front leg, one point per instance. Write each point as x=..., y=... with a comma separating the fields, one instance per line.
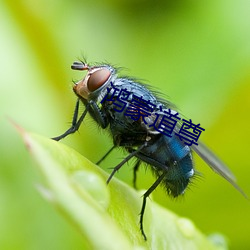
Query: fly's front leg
x=97, y=114
x=75, y=123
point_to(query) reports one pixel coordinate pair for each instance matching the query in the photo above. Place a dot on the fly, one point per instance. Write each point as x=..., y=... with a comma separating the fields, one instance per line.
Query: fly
x=107, y=98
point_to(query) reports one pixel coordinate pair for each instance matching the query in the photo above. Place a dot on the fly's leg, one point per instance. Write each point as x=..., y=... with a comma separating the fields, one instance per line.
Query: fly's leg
x=124, y=161
x=105, y=155
x=91, y=107
x=136, y=167
x=145, y=196
x=75, y=124
x=95, y=111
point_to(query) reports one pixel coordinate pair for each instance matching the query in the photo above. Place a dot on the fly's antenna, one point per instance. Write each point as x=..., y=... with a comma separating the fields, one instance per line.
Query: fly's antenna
x=80, y=66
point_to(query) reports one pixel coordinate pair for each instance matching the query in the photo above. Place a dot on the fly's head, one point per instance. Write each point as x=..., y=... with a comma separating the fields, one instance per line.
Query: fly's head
x=95, y=80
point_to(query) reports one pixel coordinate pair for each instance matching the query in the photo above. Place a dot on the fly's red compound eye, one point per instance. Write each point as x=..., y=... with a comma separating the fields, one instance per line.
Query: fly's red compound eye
x=97, y=79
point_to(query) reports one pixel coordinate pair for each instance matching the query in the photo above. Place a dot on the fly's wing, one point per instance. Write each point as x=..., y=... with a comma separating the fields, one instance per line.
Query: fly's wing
x=216, y=164
x=211, y=159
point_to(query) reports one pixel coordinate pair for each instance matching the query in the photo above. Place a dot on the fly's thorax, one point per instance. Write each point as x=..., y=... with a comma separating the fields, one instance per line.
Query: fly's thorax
x=94, y=83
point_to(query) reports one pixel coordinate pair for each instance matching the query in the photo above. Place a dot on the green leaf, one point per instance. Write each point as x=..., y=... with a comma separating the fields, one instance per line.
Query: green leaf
x=107, y=215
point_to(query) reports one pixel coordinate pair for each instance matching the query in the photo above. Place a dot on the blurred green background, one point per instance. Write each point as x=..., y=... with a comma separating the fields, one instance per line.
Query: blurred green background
x=196, y=52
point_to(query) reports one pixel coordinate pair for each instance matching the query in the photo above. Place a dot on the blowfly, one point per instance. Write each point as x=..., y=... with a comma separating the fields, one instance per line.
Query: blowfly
x=147, y=126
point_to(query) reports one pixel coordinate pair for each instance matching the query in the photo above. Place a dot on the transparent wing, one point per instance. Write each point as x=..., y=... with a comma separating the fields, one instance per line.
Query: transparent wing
x=216, y=164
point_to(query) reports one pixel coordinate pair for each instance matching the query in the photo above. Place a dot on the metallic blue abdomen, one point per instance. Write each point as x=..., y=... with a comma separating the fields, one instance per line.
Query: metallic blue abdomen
x=171, y=156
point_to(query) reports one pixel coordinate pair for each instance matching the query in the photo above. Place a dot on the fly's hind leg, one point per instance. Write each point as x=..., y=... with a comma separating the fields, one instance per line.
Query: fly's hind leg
x=135, y=169
x=145, y=196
